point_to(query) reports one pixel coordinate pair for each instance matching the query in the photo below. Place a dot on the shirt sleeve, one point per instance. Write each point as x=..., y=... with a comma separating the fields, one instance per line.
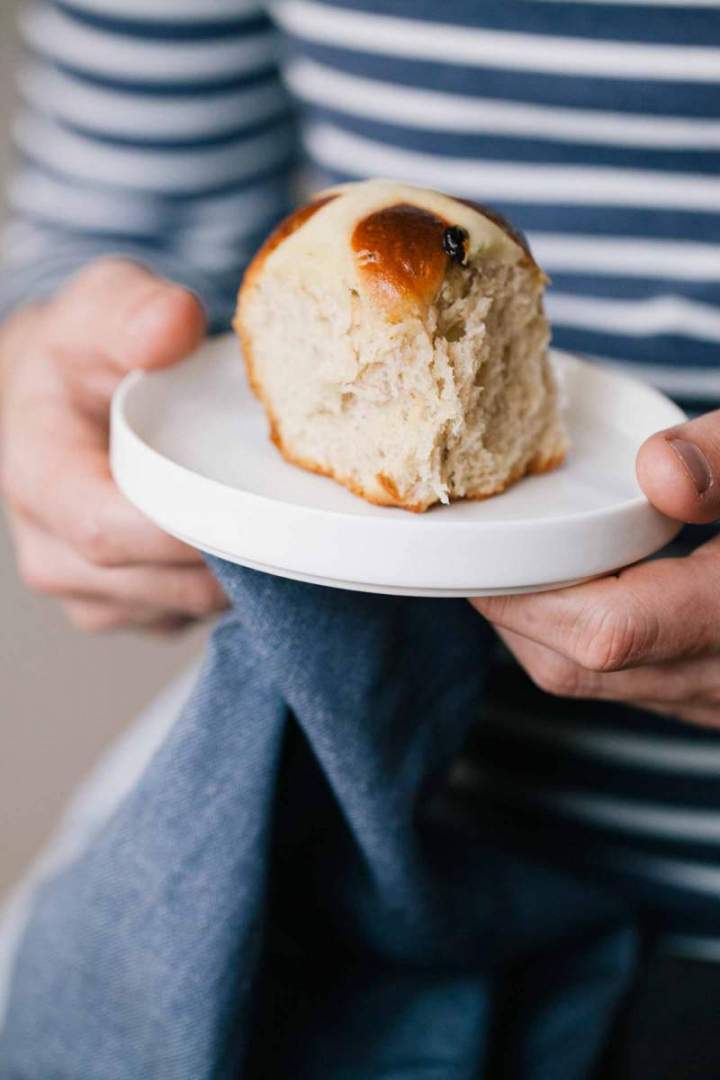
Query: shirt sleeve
x=160, y=132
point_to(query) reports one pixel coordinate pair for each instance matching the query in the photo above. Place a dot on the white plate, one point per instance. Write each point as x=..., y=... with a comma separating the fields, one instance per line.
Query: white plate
x=190, y=449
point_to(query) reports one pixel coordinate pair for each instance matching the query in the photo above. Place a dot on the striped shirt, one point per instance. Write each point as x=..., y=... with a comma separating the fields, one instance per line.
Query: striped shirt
x=170, y=130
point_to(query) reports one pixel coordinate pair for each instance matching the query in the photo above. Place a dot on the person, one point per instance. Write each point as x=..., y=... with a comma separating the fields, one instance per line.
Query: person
x=167, y=139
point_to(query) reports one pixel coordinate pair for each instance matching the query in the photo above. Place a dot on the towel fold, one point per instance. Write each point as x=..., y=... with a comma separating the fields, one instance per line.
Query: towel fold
x=294, y=889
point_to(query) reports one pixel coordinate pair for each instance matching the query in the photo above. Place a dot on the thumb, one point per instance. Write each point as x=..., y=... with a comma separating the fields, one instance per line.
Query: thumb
x=116, y=316
x=679, y=470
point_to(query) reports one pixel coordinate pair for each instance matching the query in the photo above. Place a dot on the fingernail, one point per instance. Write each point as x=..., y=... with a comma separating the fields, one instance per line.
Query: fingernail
x=695, y=462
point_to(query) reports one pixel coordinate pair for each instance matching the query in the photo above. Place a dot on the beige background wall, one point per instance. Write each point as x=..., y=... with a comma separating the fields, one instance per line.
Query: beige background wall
x=62, y=694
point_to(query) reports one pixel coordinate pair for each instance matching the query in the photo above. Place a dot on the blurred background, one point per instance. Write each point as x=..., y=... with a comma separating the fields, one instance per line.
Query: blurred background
x=63, y=695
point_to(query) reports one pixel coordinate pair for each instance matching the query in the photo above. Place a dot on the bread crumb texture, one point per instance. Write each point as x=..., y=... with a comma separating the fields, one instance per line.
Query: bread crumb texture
x=407, y=376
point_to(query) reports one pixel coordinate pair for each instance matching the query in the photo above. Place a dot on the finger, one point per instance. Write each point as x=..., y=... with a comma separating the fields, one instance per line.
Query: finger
x=679, y=470
x=650, y=613
x=670, y=687
x=54, y=469
x=123, y=314
x=89, y=513
x=56, y=472
x=49, y=566
x=98, y=616
x=549, y=669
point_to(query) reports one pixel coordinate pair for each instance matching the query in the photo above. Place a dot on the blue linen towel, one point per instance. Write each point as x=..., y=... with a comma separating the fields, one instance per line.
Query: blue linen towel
x=294, y=889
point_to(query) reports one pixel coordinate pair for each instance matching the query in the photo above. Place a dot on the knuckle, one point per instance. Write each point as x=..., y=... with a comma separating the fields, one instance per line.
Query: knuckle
x=93, y=540
x=199, y=596
x=611, y=637
x=34, y=576
x=561, y=679
x=94, y=620
x=35, y=567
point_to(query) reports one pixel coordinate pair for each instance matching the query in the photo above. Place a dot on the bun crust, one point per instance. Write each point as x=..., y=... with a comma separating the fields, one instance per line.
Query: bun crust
x=397, y=341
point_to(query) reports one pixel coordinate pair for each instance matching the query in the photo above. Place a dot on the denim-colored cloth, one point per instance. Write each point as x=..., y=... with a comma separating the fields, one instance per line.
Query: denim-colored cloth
x=294, y=890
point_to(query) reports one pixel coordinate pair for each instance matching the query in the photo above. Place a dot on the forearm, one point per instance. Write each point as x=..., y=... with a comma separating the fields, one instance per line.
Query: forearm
x=170, y=147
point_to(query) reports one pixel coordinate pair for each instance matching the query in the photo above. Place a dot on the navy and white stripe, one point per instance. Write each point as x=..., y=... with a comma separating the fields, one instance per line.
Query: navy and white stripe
x=161, y=132
x=591, y=128
x=164, y=130
x=639, y=803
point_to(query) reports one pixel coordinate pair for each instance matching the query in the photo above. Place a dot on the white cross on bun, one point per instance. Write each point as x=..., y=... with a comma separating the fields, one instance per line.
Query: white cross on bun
x=397, y=340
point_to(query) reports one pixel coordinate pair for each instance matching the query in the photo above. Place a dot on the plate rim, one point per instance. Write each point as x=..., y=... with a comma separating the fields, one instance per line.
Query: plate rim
x=556, y=355
x=387, y=550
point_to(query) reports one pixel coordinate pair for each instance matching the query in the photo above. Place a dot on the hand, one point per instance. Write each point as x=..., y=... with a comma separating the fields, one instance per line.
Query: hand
x=76, y=537
x=650, y=635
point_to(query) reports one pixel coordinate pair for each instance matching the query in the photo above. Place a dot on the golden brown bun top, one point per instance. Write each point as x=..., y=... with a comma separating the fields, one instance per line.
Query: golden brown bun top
x=389, y=242
x=399, y=253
